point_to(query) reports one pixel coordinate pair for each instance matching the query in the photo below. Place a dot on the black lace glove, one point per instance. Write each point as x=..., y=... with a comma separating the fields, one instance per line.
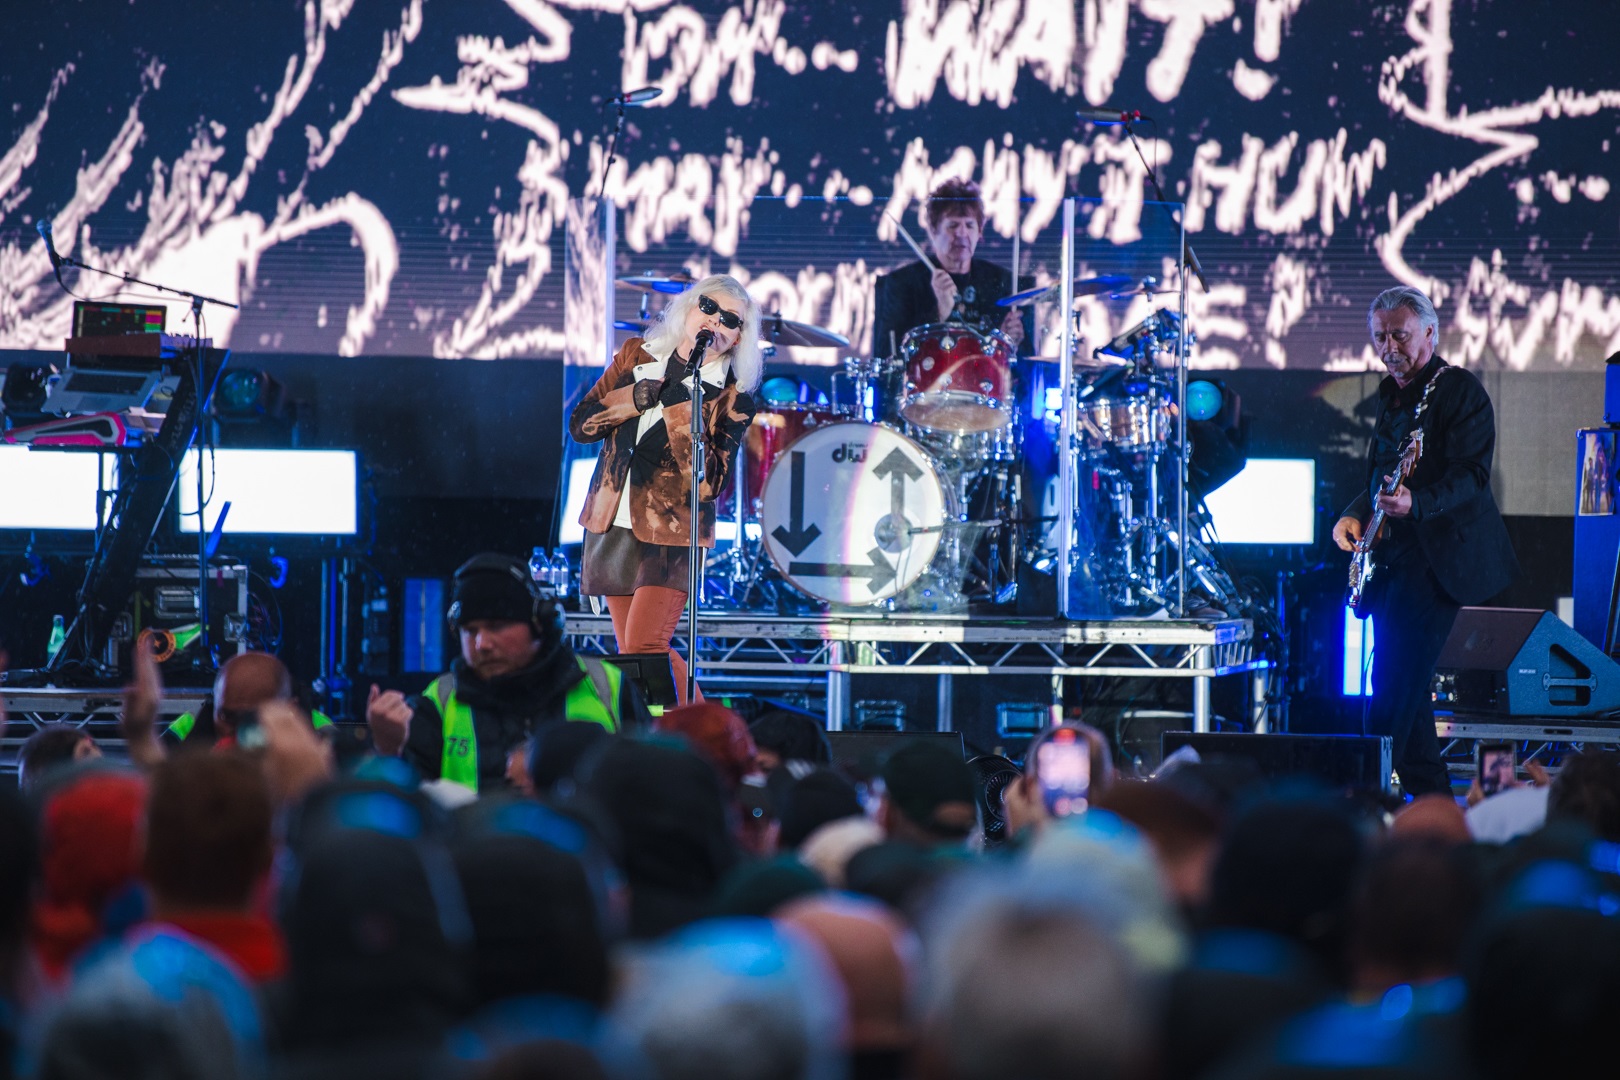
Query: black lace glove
x=646, y=393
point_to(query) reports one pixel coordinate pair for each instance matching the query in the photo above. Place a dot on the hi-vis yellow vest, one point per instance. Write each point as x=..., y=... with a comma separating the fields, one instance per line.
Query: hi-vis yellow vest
x=584, y=704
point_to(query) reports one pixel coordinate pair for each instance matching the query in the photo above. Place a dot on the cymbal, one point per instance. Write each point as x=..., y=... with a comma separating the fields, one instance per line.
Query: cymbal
x=1141, y=292
x=634, y=326
x=775, y=330
x=678, y=282
x=1082, y=287
x=1148, y=286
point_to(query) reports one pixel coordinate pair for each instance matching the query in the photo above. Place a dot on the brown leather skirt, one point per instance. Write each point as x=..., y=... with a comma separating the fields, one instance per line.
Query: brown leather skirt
x=615, y=563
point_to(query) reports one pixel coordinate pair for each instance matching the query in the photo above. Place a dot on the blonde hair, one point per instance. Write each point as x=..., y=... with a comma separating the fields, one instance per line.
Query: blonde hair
x=746, y=360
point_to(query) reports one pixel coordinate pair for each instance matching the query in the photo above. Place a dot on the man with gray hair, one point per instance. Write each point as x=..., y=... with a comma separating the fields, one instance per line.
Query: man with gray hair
x=1443, y=543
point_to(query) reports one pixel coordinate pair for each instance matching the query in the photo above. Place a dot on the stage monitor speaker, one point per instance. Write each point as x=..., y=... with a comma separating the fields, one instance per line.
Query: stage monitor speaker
x=859, y=755
x=1522, y=662
x=1359, y=762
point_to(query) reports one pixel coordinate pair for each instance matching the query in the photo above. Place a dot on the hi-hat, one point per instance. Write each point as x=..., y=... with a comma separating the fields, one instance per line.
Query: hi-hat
x=1082, y=287
x=1147, y=287
x=775, y=330
x=678, y=282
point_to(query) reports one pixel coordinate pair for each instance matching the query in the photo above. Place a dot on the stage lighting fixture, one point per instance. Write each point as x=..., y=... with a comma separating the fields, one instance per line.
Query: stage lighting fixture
x=1204, y=399
x=248, y=392
x=23, y=392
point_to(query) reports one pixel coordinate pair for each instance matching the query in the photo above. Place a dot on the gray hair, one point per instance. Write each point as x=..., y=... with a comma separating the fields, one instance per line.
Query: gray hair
x=733, y=999
x=746, y=360
x=1414, y=300
x=1016, y=971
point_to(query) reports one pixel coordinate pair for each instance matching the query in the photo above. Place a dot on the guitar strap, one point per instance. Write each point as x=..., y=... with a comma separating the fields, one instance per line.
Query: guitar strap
x=1423, y=400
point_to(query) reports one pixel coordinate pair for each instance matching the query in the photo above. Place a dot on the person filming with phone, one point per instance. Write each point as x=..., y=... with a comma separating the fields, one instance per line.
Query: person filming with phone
x=1066, y=768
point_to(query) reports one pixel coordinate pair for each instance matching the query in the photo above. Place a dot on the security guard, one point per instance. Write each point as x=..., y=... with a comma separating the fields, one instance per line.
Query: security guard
x=515, y=674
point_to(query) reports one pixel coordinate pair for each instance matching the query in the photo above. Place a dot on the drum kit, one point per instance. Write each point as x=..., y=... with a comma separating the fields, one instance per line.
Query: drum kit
x=904, y=490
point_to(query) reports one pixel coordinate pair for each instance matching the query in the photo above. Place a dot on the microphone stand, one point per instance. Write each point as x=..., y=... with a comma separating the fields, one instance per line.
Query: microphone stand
x=694, y=576
x=613, y=148
x=199, y=432
x=1189, y=260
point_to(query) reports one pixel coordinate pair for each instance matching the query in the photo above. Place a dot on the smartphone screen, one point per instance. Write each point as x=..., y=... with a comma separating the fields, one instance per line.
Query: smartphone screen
x=1496, y=765
x=1064, y=768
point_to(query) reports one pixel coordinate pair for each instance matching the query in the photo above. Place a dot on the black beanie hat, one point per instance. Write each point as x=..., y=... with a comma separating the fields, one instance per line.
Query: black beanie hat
x=921, y=777
x=492, y=586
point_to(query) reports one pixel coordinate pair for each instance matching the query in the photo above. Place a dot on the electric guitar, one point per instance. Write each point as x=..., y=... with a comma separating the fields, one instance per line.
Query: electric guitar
x=1361, y=560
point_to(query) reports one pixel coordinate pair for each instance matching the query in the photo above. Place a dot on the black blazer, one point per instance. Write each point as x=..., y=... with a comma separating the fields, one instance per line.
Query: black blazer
x=1459, y=527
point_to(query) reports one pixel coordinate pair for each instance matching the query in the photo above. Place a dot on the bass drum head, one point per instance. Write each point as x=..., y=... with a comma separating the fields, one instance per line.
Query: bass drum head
x=841, y=507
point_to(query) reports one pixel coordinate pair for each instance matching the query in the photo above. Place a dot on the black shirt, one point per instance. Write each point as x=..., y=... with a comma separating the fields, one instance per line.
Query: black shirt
x=905, y=301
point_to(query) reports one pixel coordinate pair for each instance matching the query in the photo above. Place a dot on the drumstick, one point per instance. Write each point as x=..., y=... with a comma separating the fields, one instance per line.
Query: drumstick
x=926, y=261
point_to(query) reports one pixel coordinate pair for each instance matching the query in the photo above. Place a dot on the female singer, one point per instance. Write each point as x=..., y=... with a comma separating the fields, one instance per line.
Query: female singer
x=637, y=515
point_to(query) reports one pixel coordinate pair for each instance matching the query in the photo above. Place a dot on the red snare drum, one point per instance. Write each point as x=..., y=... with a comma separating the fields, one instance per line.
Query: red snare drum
x=958, y=380
x=774, y=427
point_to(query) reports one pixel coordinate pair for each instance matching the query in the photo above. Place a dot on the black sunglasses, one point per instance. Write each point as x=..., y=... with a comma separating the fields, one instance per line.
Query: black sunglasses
x=728, y=319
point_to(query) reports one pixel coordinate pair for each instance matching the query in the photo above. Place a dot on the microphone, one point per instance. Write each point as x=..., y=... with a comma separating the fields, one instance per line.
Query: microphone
x=700, y=345
x=632, y=99
x=1194, y=265
x=43, y=227
x=1107, y=116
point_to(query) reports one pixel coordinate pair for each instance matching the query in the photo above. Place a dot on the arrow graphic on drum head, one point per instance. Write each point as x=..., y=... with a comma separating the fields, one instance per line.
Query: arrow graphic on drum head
x=878, y=573
x=797, y=536
x=898, y=468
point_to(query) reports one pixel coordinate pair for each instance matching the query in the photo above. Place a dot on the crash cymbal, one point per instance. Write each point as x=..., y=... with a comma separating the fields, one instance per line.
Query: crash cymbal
x=678, y=282
x=1082, y=287
x=775, y=330
x=633, y=326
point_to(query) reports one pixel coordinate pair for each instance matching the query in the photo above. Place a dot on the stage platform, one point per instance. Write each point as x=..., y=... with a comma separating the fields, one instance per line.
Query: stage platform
x=31, y=708
x=1545, y=739
x=762, y=653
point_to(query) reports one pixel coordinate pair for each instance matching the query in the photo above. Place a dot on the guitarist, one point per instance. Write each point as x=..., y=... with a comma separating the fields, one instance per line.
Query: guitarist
x=1444, y=543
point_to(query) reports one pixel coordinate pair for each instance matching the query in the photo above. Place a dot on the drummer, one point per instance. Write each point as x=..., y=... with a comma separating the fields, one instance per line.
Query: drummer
x=959, y=288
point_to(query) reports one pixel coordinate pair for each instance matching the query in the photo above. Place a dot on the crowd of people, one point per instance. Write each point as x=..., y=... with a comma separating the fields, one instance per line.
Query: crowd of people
x=686, y=896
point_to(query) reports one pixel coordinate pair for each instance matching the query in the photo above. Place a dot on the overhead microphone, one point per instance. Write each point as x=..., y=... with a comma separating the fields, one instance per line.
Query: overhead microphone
x=43, y=227
x=1110, y=116
x=631, y=99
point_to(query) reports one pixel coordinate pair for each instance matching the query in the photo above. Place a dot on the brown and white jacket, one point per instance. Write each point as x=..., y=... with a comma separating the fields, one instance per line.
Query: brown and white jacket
x=659, y=468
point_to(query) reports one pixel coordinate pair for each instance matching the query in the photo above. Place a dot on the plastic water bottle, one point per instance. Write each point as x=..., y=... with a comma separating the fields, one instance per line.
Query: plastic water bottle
x=540, y=567
x=561, y=574
x=58, y=638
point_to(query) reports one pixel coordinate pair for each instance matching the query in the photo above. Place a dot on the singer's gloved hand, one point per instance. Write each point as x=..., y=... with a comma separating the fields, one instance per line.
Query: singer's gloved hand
x=675, y=389
x=646, y=393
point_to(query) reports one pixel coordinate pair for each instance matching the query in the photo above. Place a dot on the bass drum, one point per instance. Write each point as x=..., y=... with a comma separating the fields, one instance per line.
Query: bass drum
x=853, y=513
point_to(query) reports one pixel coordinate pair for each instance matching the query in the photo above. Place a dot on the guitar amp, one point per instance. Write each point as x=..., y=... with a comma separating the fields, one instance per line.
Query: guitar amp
x=1523, y=662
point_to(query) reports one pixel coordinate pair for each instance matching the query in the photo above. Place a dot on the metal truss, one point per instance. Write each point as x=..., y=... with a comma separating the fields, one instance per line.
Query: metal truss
x=95, y=710
x=1545, y=739
x=834, y=647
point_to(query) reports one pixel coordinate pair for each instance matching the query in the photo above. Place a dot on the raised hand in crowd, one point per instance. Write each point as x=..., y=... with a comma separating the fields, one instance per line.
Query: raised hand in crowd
x=142, y=697
x=295, y=758
x=389, y=718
